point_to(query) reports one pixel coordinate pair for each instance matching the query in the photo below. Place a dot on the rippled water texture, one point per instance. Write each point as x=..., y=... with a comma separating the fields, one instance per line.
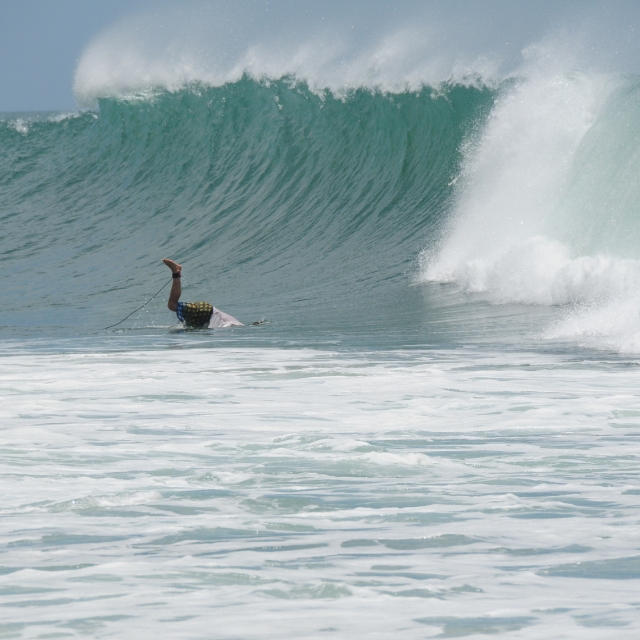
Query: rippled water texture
x=301, y=493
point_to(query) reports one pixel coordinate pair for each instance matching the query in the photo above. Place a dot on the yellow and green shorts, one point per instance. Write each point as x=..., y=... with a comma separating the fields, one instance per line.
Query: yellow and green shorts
x=194, y=314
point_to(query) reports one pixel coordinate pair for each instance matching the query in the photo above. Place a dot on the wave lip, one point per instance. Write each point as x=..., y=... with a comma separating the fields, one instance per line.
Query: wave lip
x=400, y=63
x=214, y=46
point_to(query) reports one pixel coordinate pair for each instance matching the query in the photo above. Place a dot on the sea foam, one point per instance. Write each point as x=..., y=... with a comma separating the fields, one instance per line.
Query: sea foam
x=546, y=204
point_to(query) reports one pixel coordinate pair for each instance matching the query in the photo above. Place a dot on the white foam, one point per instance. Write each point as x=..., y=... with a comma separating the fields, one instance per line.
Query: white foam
x=539, y=270
x=613, y=326
x=341, y=444
x=386, y=458
x=20, y=125
x=166, y=479
x=68, y=115
x=513, y=176
x=123, y=500
x=545, y=203
x=391, y=49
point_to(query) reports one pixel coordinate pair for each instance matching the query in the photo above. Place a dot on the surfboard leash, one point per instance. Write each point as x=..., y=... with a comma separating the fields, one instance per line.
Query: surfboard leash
x=138, y=309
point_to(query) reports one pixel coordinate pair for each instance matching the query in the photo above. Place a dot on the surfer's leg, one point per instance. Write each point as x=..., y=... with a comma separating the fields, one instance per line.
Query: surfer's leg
x=176, y=286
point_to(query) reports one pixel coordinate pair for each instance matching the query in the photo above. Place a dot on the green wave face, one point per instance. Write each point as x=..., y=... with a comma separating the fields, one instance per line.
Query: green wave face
x=278, y=202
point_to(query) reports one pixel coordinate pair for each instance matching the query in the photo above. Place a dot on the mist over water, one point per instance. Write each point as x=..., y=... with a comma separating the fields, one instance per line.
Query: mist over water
x=436, y=209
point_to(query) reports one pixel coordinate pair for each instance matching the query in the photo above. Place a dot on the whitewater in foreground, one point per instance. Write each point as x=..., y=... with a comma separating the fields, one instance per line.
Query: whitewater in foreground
x=433, y=434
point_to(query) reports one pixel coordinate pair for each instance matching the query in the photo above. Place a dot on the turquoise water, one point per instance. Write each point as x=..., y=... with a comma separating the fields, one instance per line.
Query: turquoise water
x=433, y=434
x=279, y=202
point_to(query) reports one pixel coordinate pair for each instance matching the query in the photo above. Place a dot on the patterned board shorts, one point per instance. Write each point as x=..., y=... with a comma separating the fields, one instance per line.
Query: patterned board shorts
x=194, y=314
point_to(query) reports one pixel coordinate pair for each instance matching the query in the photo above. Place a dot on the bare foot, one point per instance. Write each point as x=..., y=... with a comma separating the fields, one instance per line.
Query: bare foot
x=174, y=266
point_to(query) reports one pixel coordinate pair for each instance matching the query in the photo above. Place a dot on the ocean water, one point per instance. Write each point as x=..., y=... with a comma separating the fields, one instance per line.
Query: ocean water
x=434, y=433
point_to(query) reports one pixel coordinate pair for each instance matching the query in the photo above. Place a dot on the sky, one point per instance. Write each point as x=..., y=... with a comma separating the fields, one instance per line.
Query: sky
x=42, y=41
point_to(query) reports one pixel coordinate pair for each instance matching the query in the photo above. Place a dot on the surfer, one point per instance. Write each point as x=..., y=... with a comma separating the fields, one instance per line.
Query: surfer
x=195, y=314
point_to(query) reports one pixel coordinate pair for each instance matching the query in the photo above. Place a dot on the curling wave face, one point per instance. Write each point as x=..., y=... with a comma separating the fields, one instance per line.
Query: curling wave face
x=275, y=199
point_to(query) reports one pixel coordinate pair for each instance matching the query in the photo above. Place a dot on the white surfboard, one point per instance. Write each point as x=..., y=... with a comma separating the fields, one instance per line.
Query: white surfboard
x=221, y=320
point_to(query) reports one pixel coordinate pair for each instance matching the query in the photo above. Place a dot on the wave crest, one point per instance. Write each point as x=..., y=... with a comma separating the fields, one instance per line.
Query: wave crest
x=218, y=44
